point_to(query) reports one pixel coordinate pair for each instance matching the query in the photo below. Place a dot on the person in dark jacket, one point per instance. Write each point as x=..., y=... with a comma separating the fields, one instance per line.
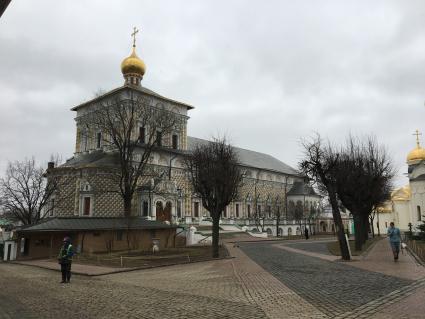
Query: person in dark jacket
x=65, y=259
x=306, y=233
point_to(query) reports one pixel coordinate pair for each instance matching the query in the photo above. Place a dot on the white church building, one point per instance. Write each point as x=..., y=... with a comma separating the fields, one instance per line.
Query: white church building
x=407, y=203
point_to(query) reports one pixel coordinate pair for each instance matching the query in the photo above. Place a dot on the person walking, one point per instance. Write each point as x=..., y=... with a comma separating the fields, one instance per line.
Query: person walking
x=65, y=259
x=393, y=234
x=306, y=233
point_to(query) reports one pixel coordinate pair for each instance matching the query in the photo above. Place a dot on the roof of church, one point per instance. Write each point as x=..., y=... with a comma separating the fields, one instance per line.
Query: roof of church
x=251, y=158
x=246, y=157
x=94, y=159
x=300, y=188
x=141, y=89
x=94, y=223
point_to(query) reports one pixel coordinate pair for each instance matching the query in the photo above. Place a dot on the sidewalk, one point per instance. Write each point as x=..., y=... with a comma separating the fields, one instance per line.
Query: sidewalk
x=410, y=302
x=380, y=259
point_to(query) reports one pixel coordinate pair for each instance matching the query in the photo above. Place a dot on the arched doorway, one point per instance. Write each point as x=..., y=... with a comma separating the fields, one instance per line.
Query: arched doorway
x=280, y=231
x=323, y=226
x=289, y=231
x=269, y=232
x=163, y=213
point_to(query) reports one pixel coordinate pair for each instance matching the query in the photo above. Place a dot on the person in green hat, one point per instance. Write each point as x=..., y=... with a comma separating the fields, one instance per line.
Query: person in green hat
x=65, y=259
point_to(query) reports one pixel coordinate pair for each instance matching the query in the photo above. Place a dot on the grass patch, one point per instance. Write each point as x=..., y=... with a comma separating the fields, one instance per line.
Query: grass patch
x=334, y=249
x=142, y=259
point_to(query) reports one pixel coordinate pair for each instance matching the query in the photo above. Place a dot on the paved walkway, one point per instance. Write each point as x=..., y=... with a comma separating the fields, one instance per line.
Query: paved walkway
x=281, y=279
x=372, y=286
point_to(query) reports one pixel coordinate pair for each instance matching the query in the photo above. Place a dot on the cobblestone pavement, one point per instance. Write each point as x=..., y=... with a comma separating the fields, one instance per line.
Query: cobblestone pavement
x=276, y=299
x=265, y=280
x=312, y=246
x=36, y=293
x=332, y=287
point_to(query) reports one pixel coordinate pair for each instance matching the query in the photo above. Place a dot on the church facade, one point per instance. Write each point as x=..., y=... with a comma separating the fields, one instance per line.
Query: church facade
x=407, y=204
x=272, y=192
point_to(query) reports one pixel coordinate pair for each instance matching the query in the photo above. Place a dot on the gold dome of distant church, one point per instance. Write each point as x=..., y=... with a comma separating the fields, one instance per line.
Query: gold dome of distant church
x=417, y=153
x=133, y=65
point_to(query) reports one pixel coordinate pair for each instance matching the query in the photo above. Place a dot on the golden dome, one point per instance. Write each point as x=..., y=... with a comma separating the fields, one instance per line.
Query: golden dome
x=417, y=154
x=385, y=208
x=133, y=64
x=401, y=194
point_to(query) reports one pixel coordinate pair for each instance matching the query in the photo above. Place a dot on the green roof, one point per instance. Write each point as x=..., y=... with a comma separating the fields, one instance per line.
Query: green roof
x=93, y=223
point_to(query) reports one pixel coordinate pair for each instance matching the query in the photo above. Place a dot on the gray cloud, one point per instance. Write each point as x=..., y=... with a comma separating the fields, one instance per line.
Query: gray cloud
x=266, y=75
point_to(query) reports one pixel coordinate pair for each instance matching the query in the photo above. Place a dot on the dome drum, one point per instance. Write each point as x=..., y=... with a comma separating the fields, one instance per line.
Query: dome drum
x=133, y=69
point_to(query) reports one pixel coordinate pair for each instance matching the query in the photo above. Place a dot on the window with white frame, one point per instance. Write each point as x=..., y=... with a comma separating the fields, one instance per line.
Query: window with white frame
x=52, y=207
x=175, y=141
x=98, y=139
x=86, y=205
x=84, y=141
x=142, y=134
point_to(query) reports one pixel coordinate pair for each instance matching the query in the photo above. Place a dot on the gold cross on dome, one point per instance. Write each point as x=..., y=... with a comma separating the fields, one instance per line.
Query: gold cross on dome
x=135, y=30
x=417, y=137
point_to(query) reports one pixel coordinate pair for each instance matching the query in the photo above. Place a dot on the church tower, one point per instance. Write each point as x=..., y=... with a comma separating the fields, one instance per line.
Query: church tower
x=416, y=173
x=133, y=68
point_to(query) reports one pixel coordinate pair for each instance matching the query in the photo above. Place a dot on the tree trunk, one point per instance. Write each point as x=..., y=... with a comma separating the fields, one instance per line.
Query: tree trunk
x=127, y=207
x=358, y=235
x=215, y=235
x=371, y=218
x=365, y=227
x=343, y=244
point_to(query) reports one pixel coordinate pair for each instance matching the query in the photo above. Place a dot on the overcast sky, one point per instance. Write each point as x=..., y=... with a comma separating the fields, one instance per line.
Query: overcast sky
x=265, y=73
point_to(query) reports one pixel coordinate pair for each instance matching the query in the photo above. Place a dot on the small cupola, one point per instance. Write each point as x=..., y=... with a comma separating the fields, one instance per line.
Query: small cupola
x=133, y=68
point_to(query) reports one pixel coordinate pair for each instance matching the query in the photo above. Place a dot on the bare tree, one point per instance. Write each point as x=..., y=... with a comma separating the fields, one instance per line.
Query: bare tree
x=364, y=181
x=25, y=192
x=216, y=176
x=132, y=128
x=319, y=164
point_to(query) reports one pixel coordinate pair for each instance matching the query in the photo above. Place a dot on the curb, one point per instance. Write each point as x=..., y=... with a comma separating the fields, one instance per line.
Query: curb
x=125, y=269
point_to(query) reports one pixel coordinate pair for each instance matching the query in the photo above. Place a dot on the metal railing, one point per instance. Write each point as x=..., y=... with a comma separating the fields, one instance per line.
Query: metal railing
x=417, y=249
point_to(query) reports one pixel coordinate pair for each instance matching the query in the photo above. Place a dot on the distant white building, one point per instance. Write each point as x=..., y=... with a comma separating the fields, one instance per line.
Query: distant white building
x=407, y=203
x=7, y=242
